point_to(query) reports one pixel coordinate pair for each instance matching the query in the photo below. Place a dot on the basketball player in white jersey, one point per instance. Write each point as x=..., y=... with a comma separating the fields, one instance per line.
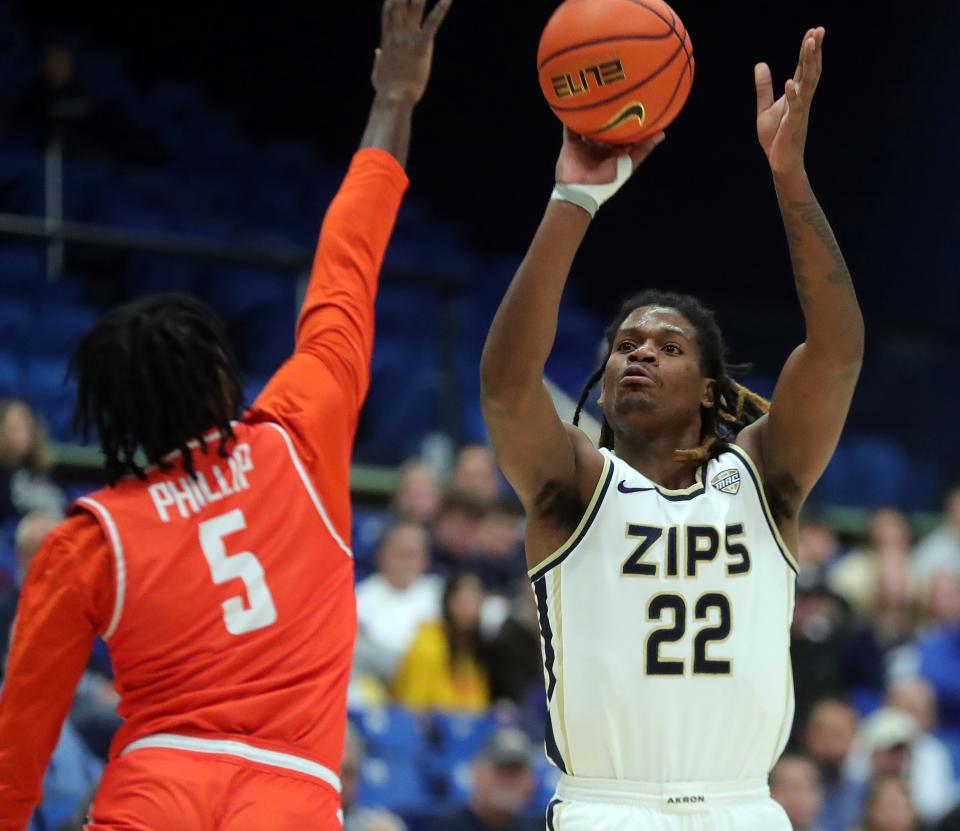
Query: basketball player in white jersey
x=661, y=561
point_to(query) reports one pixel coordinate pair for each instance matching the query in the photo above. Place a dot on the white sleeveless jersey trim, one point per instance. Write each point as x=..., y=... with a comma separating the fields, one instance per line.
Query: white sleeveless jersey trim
x=230, y=747
x=311, y=492
x=768, y=514
x=121, y=569
x=558, y=556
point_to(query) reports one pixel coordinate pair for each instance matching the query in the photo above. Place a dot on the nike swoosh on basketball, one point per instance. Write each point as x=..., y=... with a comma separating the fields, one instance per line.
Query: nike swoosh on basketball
x=622, y=487
x=634, y=110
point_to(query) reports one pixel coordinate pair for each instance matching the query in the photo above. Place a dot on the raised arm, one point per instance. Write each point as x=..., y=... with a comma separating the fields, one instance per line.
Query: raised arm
x=542, y=458
x=318, y=392
x=795, y=441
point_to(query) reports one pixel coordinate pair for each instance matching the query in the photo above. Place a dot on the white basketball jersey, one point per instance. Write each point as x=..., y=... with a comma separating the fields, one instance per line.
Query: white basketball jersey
x=665, y=630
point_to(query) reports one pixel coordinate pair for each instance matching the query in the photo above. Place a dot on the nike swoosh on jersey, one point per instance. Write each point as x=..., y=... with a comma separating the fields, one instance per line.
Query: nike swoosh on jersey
x=622, y=487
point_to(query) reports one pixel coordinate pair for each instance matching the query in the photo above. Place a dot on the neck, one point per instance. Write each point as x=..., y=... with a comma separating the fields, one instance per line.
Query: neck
x=655, y=456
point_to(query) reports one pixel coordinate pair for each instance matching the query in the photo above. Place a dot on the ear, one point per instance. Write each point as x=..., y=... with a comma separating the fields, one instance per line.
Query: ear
x=708, y=397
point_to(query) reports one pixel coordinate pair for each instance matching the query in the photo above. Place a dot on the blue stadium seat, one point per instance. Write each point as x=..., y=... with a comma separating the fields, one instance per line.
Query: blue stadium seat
x=56, y=406
x=21, y=180
x=44, y=374
x=395, y=784
x=59, y=328
x=459, y=735
x=15, y=322
x=391, y=733
x=368, y=525
x=10, y=382
x=22, y=267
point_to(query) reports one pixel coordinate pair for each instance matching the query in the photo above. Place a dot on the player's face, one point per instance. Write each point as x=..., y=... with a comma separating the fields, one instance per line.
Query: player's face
x=653, y=375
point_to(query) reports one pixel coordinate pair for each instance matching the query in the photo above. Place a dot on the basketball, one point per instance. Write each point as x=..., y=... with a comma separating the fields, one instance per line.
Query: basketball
x=615, y=70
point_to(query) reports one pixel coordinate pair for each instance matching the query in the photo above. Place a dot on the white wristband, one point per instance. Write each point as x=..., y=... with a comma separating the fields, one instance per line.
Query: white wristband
x=591, y=197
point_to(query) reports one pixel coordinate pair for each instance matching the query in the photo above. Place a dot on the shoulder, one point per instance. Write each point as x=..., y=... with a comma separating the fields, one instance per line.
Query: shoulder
x=79, y=535
x=430, y=641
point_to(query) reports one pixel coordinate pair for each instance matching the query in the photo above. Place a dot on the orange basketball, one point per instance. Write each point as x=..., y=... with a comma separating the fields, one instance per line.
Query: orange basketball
x=615, y=70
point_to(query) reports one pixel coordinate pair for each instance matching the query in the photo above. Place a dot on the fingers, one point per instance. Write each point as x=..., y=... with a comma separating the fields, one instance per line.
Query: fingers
x=798, y=75
x=393, y=11
x=810, y=65
x=409, y=14
x=639, y=152
x=795, y=104
x=764, y=82
x=436, y=16
x=416, y=8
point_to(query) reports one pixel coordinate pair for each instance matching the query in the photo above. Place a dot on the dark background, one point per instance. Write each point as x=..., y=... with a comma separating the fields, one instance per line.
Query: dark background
x=700, y=217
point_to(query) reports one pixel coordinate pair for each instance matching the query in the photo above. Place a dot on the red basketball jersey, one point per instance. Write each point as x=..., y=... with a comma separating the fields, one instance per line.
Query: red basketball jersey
x=234, y=611
x=226, y=599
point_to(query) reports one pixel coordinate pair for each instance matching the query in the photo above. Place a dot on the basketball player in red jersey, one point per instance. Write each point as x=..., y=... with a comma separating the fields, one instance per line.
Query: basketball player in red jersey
x=221, y=575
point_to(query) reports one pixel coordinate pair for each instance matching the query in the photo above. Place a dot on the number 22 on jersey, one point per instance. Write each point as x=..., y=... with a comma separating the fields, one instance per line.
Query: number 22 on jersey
x=702, y=546
x=259, y=610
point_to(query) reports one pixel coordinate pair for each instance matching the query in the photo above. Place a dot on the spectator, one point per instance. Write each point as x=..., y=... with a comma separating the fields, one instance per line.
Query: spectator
x=356, y=817
x=394, y=602
x=503, y=784
x=25, y=458
x=856, y=576
x=445, y=667
x=456, y=529
x=475, y=471
x=501, y=560
x=828, y=739
x=941, y=548
x=817, y=547
x=942, y=598
x=830, y=650
x=889, y=807
x=28, y=536
x=939, y=649
x=931, y=768
x=795, y=784
x=514, y=652
x=417, y=497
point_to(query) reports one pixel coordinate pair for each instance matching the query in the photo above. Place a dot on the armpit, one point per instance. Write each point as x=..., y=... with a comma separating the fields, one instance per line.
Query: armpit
x=783, y=496
x=559, y=506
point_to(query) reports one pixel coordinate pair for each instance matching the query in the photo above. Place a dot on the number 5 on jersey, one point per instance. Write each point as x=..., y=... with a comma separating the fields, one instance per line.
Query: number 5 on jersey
x=239, y=617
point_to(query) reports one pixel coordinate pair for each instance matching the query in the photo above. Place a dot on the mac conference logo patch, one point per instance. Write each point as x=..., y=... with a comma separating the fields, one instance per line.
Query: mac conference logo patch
x=727, y=481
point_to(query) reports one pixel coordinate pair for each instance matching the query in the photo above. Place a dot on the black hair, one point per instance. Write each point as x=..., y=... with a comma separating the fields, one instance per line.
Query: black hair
x=735, y=407
x=461, y=644
x=154, y=375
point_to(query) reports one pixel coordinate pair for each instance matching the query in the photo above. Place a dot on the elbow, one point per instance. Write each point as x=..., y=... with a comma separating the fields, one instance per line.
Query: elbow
x=857, y=345
x=843, y=351
x=494, y=378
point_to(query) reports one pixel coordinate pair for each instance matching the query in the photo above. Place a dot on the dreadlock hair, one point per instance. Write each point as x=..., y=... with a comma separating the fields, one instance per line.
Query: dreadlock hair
x=153, y=375
x=735, y=407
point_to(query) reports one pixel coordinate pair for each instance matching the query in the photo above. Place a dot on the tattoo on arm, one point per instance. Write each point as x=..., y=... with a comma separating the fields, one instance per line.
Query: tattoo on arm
x=794, y=240
x=809, y=214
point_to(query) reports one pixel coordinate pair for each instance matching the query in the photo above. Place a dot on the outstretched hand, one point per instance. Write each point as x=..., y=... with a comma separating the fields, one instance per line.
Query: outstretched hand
x=782, y=123
x=585, y=162
x=401, y=68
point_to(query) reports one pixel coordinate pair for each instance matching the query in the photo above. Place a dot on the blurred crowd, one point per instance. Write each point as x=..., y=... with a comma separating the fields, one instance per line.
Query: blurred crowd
x=447, y=624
